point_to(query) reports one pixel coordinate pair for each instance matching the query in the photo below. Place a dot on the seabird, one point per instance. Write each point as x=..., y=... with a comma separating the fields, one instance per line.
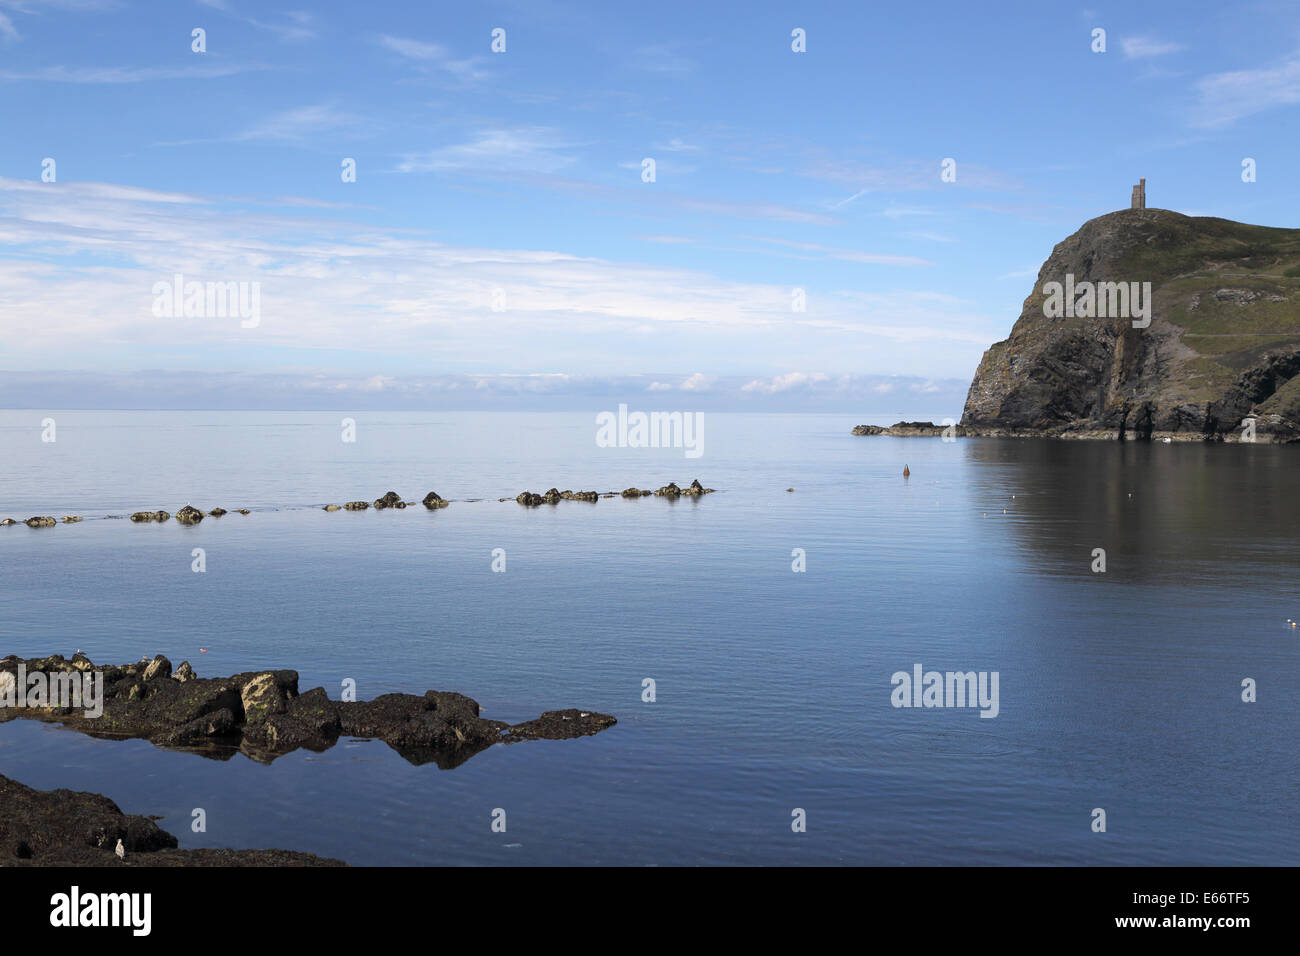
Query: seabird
x=121, y=850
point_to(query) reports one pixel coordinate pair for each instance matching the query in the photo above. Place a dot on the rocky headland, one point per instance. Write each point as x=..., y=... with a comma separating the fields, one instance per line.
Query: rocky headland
x=1215, y=357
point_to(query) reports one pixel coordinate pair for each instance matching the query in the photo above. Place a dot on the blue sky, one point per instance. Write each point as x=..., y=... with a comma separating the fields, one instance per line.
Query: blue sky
x=519, y=174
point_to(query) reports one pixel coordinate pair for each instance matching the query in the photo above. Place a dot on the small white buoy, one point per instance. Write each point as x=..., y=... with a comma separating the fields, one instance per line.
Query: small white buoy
x=121, y=850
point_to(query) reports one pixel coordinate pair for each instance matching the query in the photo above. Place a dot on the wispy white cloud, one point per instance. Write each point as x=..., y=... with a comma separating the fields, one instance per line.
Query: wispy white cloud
x=112, y=75
x=1138, y=48
x=1224, y=98
x=526, y=149
x=434, y=56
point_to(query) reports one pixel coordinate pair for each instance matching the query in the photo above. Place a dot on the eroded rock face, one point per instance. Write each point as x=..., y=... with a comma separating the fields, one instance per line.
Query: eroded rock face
x=262, y=714
x=72, y=828
x=189, y=515
x=1223, y=344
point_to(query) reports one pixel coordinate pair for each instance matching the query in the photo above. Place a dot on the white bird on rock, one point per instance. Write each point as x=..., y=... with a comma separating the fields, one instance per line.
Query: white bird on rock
x=121, y=850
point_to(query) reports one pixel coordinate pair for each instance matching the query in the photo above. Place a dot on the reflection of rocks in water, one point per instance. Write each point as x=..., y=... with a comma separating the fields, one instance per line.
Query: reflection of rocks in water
x=262, y=714
x=1161, y=512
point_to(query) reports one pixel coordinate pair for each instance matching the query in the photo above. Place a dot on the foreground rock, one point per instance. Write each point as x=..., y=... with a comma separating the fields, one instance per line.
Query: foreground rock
x=1222, y=345
x=71, y=828
x=262, y=714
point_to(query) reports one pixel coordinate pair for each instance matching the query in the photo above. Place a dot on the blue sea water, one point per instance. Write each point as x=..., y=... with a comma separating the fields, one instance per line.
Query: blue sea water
x=1119, y=690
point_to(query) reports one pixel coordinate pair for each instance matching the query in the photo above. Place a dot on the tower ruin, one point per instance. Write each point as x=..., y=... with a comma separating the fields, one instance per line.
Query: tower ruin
x=1140, y=194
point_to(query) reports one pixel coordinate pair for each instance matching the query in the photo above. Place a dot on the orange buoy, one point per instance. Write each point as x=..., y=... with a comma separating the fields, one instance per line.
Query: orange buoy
x=905, y=471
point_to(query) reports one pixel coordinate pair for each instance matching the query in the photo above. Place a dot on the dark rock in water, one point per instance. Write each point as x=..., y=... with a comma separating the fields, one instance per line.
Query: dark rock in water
x=262, y=714
x=189, y=515
x=217, y=512
x=528, y=498
x=391, y=500
x=356, y=506
x=434, y=501
x=1218, y=340
x=243, y=511
x=697, y=489
x=7, y=521
x=72, y=828
x=636, y=492
x=40, y=522
x=669, y=490
x=72, y=519
x=579, y=495
x=144, y=516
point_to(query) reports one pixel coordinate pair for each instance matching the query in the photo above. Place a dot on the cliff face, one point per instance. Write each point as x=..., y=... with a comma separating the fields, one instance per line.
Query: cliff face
x=1223, y=343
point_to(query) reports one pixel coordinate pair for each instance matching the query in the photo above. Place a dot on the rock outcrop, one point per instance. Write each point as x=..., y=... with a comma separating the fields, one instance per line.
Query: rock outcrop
x=262, y=714
x=1222, y=346
x=433, y=501
x=72, y=828
x=189, y=515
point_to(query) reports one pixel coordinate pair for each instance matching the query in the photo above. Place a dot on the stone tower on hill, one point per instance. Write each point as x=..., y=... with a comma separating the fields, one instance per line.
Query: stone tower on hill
x=1140, y=194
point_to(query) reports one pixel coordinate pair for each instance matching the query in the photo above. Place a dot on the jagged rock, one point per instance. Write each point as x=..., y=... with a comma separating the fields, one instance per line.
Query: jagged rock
x=40, y=522
x=262, y=714
x=356, y=506
x=189, y=515
x=143, y=516
x=158, y=667
x=1213, y=355
x=434, y=501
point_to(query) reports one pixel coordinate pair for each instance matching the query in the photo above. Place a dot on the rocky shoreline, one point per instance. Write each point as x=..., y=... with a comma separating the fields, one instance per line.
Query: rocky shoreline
x=189, y=515
x=262, y=715
x=74, y=828
x=1073, y=432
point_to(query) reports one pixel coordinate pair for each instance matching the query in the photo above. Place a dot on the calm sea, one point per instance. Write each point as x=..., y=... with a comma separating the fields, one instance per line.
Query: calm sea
x=1119, y=690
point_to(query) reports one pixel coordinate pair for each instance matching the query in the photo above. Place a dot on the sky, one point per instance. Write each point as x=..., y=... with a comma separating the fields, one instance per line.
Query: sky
x=503, y=245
